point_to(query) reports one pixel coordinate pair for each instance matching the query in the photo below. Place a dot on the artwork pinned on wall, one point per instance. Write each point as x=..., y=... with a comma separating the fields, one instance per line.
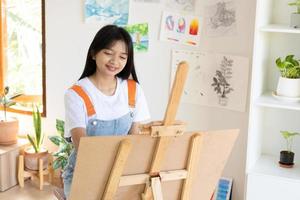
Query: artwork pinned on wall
x=181, y=29
x=107, y=12
x=181, y=5
x=139, y=35
x=148, y=1
x=216, y=80
x=220, y=19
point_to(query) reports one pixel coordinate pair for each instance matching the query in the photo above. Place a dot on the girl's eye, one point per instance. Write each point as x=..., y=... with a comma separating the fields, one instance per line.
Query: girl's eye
x=123, y=57
x=107, y=53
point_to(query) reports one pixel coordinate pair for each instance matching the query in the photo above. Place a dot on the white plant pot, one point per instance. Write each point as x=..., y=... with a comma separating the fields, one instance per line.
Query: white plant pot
x=295, y=20
x=288, y=87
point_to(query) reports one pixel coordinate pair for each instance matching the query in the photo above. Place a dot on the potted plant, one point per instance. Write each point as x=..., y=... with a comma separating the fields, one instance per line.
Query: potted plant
x=295, y=17
x=36, y=150
x=9, y=127
x=287, y=156
x=65, y=148
x=289, y=81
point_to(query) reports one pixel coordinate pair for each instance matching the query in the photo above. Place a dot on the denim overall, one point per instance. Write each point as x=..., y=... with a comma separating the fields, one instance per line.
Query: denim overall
x=96, y=127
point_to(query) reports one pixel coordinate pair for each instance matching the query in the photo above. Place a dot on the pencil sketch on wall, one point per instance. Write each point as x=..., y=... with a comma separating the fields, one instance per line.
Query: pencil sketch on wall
x=195, y=90
x=221, y=84
x=217, y=80
x=181, y=5
x=220, y=19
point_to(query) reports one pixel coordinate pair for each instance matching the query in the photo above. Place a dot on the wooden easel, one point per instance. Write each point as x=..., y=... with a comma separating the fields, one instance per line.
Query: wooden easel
x=165, y=131
x=105, y=161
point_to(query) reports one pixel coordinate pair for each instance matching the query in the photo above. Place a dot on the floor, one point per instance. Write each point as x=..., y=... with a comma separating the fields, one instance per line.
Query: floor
x=29, y=192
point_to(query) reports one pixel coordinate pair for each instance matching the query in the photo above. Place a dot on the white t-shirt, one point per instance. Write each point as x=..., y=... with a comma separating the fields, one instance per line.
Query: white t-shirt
x=106, y=107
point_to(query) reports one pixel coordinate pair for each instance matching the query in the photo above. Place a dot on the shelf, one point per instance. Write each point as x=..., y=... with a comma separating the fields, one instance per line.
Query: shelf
x=268, y=165
x=279, y=28
x=267, y=100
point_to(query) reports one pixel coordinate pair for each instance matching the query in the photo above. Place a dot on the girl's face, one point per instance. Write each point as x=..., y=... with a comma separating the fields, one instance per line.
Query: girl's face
x=112, y=60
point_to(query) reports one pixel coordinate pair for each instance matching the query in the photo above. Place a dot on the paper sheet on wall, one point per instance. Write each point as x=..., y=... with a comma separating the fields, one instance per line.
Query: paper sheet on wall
x=181, y=5
x=220, y=19
x=217, y=80
x=181, y=29
x=107, y=12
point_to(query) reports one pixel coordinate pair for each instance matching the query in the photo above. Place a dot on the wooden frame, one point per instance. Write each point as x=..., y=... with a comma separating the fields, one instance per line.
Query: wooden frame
x=3, y=44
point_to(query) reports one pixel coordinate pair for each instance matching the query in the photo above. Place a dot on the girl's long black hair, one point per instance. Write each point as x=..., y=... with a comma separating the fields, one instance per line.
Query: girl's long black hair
x=105, y=38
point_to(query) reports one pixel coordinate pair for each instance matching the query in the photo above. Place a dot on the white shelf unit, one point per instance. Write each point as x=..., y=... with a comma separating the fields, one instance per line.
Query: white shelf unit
x=269, y=115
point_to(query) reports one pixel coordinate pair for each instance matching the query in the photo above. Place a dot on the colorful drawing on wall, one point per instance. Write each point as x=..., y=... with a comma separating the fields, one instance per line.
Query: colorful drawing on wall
x=148, y=1
x=220, y=19
x=179, y=28
x=139, y=35
x=108, y=11
x=223, y=190
x=216, y=80
x=181, y=5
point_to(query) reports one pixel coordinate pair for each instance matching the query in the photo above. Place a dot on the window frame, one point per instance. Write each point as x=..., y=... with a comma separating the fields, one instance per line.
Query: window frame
x=3, y=43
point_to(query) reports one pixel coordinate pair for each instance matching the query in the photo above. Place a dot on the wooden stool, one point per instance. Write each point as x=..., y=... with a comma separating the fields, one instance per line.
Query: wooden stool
x=25, y=173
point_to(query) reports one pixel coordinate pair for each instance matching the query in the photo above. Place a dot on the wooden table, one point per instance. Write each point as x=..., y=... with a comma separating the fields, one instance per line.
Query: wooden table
x=9, y=162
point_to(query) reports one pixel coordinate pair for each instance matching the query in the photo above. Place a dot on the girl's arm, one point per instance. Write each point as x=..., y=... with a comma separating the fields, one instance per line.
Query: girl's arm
x=76, y=134
x=134, y=128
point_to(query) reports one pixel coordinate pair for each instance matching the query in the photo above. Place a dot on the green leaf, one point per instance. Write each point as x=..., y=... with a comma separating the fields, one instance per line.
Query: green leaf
x=60, y=127
x=31, y=140
x=56, y=139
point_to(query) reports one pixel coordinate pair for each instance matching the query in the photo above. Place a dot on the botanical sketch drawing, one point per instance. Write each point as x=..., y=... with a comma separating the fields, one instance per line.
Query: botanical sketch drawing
x=220, y=81
x=221, y=19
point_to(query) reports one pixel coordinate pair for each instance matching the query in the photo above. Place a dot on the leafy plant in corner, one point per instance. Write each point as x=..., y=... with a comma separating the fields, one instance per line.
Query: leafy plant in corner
x=38, y=139
x=289, y=137
x=287, y=156
x=6, y=101
x=297, y=4
x=289, y=67
x=65, y=148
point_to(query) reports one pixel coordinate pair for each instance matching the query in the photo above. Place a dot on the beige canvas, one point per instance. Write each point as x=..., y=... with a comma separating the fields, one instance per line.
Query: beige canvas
x=96, y=156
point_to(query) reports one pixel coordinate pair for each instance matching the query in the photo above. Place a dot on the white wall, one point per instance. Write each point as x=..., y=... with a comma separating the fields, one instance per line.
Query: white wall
x=67, y=41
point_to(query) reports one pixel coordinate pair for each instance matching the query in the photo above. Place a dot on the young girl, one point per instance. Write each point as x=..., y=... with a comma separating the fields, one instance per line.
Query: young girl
x=104, y=101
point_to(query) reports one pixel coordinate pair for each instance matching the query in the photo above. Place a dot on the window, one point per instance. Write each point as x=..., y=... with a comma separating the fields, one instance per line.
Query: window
x=22, y=52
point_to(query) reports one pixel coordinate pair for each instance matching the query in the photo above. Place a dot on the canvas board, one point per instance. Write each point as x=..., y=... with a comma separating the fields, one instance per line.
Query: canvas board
x=96, y=156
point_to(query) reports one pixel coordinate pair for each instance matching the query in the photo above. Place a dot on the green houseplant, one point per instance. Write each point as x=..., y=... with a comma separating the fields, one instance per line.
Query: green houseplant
x=295, y=17
x=36, y=151
x=287, y=156
x=9, y=127
x=65, y=148
x=289, y=80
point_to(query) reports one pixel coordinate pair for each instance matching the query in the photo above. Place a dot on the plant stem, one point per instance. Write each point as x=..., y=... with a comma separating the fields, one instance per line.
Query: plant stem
x=5, y=113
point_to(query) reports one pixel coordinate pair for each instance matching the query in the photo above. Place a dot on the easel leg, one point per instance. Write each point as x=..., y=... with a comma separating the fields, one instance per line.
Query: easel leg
x=192, y=166
x=41, y=174
x=21, y=171
x=117, y=170
x=156, y=188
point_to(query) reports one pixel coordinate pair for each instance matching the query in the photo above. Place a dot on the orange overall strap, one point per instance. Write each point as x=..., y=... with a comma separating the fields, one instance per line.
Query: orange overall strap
x=88, y=104
x=131, y=92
